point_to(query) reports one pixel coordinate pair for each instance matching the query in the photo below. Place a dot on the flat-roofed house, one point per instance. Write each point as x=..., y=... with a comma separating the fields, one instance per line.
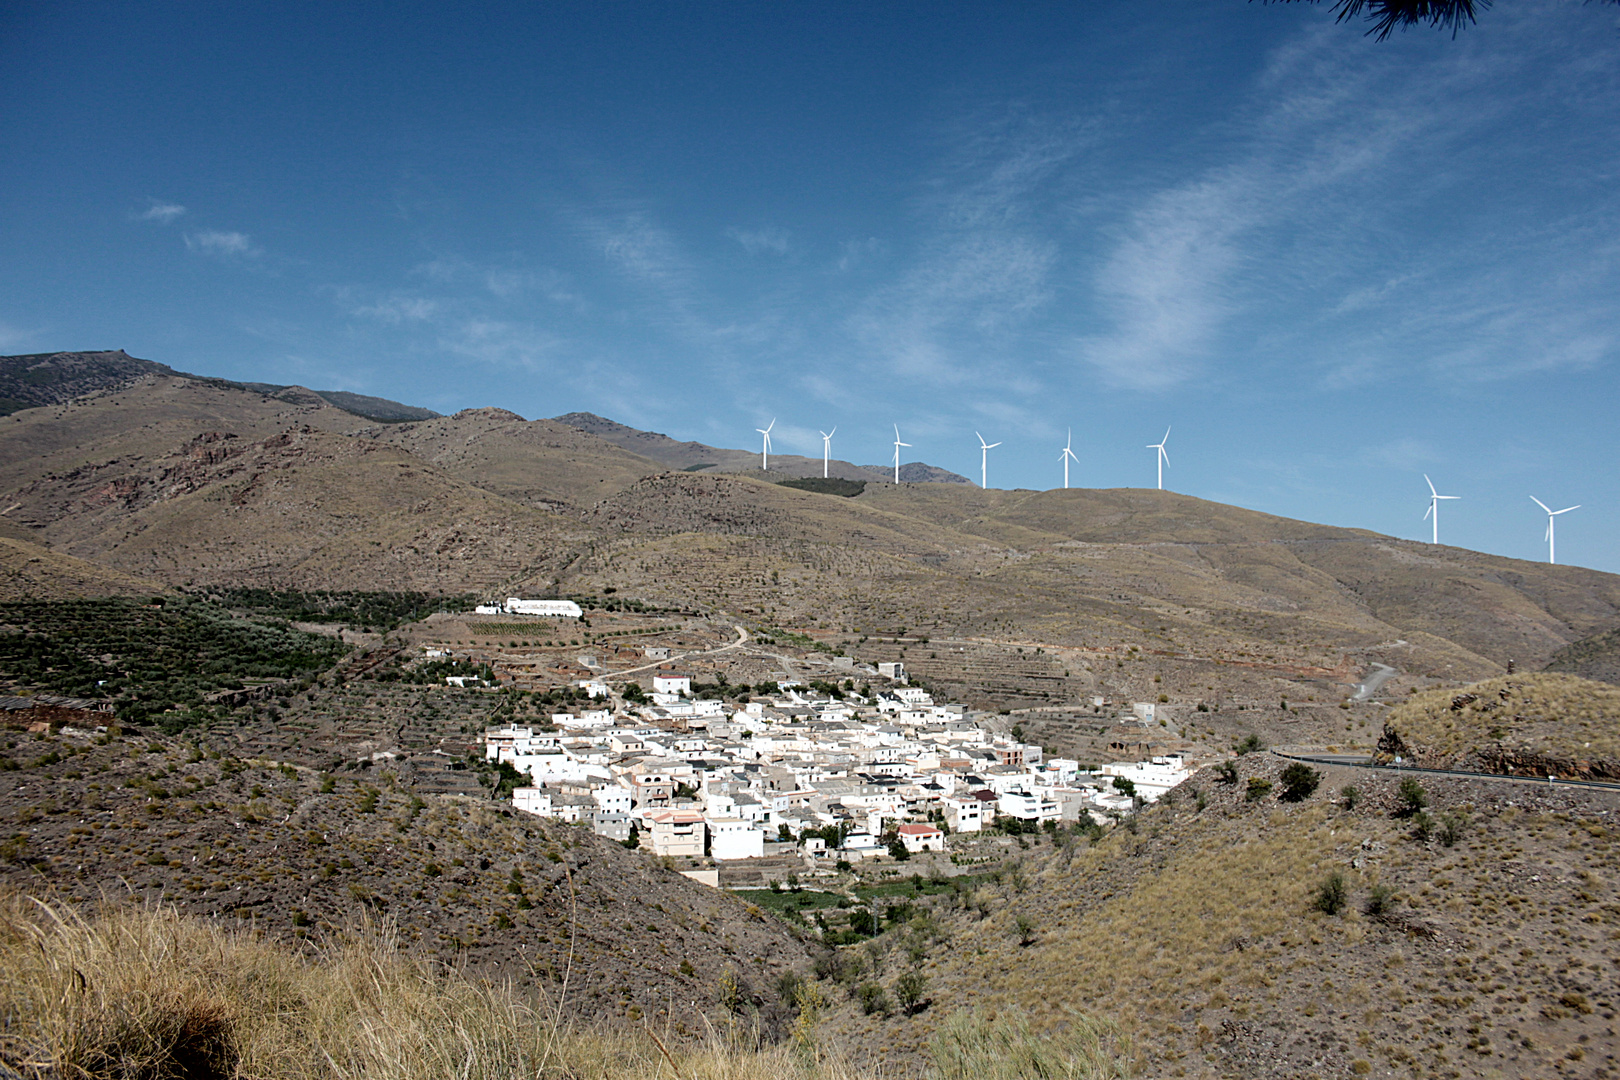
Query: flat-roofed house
x=678, y=832
x=918, y=837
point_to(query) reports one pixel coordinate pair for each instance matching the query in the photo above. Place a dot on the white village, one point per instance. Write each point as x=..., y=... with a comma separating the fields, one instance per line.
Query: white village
x=832, y=777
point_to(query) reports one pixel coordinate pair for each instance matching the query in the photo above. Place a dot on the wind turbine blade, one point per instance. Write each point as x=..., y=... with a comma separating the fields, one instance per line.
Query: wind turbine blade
x=1541, y=504
x=1164, y=453
x=992, y=446
x=1426, y=480
x=1166, y=436
x=831, y=433
x=1565, y=510
x=1429, y=511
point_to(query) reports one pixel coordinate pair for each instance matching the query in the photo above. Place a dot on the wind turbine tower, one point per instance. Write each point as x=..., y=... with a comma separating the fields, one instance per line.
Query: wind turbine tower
x=1066, y=457
x=897, y=445
x=765, y=452
x=984, y=460
x=1551, y=513
x=1434, y=507
x=826, y=449
x=1163, y=456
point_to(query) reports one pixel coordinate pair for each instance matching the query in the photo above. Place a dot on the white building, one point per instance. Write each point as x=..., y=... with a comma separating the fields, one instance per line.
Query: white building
x=918, y=838
x=1028, y=807
x=666, y=682
x=555, y=609
x=1151, y=778
x=532, y=800
x=677, y=832
x=734, y=838
x=964, y=815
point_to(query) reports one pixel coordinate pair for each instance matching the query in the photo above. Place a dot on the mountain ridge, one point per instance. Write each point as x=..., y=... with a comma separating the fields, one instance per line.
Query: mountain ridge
x=181, y=481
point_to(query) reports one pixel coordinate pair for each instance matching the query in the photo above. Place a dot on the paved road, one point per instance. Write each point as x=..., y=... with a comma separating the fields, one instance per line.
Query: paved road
x=1374, y=681
x=1361, y=761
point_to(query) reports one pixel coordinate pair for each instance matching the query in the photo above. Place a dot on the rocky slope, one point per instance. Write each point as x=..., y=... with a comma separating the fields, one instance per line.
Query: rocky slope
x=1537, y=725
x=296, y=853
x=1477, y=941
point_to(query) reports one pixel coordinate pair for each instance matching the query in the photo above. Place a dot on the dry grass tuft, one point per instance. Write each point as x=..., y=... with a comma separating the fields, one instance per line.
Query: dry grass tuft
x=143, y=994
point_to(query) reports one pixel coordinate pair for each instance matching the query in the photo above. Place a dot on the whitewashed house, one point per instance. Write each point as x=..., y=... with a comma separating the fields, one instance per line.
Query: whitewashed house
x=734, y=838
x=667, y=682
x=918, y=837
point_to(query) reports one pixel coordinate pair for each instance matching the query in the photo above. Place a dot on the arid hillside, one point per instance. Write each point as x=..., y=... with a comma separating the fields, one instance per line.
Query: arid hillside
x=300, y=855
x=1231, y=933
x=1596, y=657
x=1543, y=724
x=176, y=480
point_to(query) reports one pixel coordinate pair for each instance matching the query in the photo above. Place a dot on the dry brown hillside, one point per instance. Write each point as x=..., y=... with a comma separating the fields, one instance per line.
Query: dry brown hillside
x=31, y=572
x=1475, y=940
x=300, y=855
x=176, y=480
x=1544, y=724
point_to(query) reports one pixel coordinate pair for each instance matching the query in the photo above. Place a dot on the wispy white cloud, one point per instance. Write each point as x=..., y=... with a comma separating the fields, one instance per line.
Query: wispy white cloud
x=223, y=244
x=161, y=212
x=646, y=251
x=14, y=337
x=769, y=240
x=1347, y=231
x=1412, y=454
x=399, y=309
x=984, y=264
x=503, y=343
x=1164, y=284
x=854, y=253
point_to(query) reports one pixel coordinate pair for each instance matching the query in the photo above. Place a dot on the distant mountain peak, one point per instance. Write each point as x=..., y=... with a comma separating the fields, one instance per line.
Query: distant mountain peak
x=34, y=379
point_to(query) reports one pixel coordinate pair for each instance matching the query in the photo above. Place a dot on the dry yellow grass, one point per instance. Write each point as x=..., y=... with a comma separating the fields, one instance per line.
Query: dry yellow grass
x=147, y=993
x=1548, y=714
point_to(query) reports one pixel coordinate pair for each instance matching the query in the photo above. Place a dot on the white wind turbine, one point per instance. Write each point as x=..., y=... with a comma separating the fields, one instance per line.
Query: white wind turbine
x=984, y=459
x=1163, y=455
x=1551, y=513
x=897, y=445
x=1066, y=457
x=826, y=449
x=1434, y=506
x=765, y=452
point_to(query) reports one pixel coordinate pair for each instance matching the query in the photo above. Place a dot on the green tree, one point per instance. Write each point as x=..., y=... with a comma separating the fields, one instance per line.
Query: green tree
x=1380, y=901
x=1298, y=782
x=1410, y=797
x=1331, y=894
x=1124, y=786
x=909, y=990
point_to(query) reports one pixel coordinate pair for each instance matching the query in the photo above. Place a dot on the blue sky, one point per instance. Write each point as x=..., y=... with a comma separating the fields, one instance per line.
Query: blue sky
x=1332, y=264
